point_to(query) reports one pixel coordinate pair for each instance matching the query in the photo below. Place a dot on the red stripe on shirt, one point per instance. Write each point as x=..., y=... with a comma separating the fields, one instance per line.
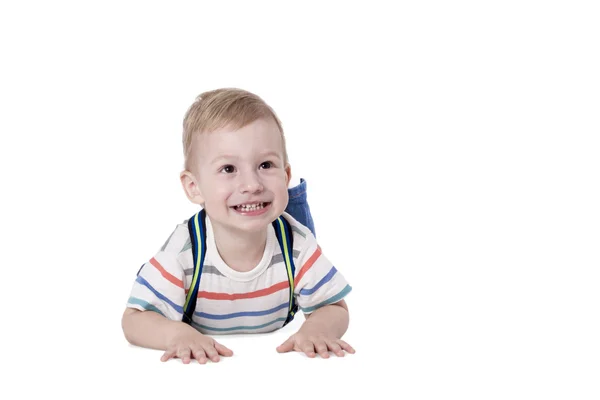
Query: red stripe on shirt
x=309, y=263
x=165, y=274
x=235, y=296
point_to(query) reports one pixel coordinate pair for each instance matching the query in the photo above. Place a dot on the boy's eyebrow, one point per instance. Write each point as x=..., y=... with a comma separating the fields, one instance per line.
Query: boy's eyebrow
x=223, y=157
x=271, y=153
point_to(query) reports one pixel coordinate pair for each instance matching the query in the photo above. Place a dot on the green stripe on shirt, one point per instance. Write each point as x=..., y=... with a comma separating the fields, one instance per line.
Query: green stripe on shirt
x=330, y=300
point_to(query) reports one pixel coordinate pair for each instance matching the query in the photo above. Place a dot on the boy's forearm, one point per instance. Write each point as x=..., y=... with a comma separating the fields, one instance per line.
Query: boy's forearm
x=148, y=329
x=330, y=320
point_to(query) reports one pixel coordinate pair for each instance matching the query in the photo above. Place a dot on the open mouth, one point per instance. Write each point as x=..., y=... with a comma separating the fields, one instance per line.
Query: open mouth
x=251, y=207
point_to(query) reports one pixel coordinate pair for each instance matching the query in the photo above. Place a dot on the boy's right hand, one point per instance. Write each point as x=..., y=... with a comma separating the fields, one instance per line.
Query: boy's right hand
x=188, y=343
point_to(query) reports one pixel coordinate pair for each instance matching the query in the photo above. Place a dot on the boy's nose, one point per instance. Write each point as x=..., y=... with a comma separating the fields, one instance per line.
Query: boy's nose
x=254, y=187
x=250, y=184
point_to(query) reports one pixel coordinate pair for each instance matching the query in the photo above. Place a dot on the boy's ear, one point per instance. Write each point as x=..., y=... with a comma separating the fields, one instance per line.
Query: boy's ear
x=288, y=174
x=191, y=188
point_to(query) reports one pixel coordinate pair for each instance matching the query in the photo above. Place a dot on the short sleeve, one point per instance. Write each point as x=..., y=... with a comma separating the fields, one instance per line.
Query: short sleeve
x=159, y=286
x=318, y=282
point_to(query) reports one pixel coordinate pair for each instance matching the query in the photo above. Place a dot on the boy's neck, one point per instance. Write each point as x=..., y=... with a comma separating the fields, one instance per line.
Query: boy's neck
x=241, y=251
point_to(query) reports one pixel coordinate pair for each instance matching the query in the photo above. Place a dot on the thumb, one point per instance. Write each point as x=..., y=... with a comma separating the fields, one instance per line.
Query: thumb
x=286, y=346
x=222, y=350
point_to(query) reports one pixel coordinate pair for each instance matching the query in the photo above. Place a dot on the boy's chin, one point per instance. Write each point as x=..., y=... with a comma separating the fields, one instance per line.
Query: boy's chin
x=252, y=227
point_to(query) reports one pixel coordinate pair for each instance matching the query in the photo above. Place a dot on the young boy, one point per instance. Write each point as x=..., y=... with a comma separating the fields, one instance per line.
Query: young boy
x=229, y=268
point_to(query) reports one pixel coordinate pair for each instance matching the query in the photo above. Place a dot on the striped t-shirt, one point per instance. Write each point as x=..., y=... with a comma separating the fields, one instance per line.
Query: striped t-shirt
x=230, y=301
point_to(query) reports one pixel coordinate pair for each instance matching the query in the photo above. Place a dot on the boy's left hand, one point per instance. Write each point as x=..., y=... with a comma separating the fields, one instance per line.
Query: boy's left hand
x=310, y=343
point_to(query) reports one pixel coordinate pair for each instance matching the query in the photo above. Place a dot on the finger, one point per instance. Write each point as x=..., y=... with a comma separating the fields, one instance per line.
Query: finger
x=211, y=353
x=200, y=355
x=308, y=348
x=167, y=355
x=346, y=346
x=184, y=354
x=321, y=348
x=286, y=346
x=224, y=351
x=335, y=348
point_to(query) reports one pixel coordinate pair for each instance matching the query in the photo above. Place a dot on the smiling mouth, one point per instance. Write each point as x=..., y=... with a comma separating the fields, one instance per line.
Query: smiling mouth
x=251, y=207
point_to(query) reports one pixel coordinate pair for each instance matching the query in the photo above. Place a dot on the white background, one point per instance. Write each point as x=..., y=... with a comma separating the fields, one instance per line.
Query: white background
x=451, y=153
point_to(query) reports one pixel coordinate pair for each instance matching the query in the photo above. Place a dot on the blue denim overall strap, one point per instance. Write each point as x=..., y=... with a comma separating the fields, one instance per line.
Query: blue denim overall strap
x=298, y=206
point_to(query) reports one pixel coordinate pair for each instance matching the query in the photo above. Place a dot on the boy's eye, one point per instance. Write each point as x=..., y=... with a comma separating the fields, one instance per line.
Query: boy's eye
x=266, y=165
x=228, y=169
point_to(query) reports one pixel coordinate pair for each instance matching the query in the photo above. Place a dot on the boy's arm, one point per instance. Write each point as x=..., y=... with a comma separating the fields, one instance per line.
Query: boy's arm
x=321, y=332
x=148, y=328
x=331, y=320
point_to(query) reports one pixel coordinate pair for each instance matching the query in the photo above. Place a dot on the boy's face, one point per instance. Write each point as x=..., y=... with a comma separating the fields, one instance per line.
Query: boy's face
x=239, y=176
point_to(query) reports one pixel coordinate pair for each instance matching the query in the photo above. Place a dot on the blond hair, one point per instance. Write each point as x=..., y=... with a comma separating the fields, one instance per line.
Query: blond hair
x=218, y=108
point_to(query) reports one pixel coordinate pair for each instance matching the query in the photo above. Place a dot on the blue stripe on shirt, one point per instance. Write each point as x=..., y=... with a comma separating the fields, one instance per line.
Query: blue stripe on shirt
x=164, y=298
x=242, y=314
x=326, y=278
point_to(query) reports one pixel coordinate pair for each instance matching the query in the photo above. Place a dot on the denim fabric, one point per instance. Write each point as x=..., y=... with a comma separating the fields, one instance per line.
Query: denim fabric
x=298, y=206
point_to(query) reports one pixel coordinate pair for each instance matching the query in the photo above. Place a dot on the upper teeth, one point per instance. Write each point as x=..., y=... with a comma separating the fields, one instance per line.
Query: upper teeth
x=251, y=207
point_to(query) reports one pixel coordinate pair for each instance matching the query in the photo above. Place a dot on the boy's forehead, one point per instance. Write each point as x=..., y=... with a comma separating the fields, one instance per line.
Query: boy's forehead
x=257, y=138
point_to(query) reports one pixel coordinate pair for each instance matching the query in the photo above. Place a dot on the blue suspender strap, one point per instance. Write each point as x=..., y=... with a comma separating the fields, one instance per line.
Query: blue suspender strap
x=197, y=229
x=283, y=230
